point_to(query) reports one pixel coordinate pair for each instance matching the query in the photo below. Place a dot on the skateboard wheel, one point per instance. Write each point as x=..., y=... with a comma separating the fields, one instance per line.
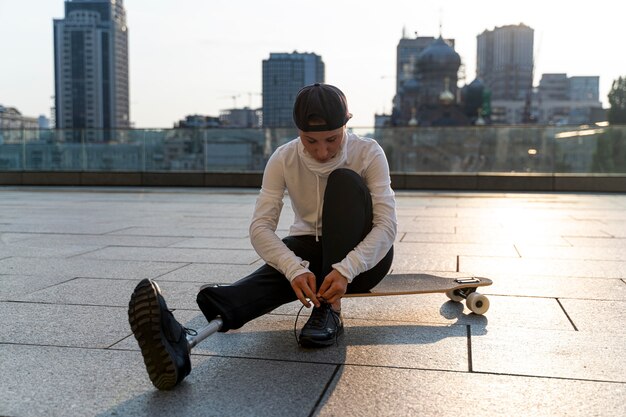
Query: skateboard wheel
x=477, y=303
x=453, y=296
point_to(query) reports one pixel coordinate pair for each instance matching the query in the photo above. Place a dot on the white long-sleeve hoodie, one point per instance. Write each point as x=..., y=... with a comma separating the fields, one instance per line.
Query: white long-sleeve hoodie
x=293, y=169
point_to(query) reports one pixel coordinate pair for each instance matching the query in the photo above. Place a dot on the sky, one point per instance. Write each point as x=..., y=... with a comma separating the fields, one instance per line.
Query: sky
x=193, y=56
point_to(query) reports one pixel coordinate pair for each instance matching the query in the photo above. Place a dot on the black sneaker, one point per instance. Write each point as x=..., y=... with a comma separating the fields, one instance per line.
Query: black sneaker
x=162, y=339
x=323, y=327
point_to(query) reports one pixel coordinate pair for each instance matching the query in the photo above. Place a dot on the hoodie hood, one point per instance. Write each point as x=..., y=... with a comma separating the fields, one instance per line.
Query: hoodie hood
x=323, y=169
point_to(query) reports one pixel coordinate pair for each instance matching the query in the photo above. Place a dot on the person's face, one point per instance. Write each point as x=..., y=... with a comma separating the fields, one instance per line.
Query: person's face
x=322, y=146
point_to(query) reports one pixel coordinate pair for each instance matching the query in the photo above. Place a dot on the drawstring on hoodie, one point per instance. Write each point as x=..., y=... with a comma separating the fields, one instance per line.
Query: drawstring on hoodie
x=317, y=207
x=323, y=170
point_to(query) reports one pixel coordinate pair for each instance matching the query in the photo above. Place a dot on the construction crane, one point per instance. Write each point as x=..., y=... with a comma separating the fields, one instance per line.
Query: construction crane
x=234, y=97
x=250, y=94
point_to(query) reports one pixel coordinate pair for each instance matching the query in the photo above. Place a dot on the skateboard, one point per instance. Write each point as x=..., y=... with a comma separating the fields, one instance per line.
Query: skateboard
x=456, y=286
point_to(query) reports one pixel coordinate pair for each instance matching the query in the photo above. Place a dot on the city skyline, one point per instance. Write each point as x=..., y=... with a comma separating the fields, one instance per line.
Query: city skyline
x=198, y=57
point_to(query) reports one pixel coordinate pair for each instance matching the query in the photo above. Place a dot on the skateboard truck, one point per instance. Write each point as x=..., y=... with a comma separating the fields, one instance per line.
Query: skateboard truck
x=477, y=303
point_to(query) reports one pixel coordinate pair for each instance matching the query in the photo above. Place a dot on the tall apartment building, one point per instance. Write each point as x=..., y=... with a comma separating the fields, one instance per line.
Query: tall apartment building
x=284, y=74
x=505, y=61
x=91, y=66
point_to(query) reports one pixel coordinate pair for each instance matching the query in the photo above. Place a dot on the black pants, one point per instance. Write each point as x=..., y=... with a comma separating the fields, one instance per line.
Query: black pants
x=346, y=220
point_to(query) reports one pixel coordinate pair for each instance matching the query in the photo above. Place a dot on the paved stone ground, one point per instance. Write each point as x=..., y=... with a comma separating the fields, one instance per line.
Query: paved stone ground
x=553, y=342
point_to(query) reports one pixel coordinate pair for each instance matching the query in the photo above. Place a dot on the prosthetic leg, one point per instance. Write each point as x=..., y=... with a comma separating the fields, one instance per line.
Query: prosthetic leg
x=214, y=326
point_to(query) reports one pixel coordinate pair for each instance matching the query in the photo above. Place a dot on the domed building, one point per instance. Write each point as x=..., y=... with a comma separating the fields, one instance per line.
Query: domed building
x=435, y=64
x=432, y=97
x=476, y=99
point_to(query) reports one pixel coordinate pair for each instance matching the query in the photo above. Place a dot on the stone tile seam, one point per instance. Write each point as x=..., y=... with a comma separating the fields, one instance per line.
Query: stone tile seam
x=344, y=364
x=180, y=249
x=106, y=260
x=315, y=407
x=174, y=270
x=360, y=365
x=558, y=378
x=547, y=297
x=177, y=241
x=495, y=273
x=545, y=258
x=170, y=236
x=470, y=364
x=66, y=304
x=50, y=286
x=76, y=255
x=414, y=323
x=111, y=346
x=293, y=315
x=148, y=260
x=103, y=278
x=377, y=320
x=600, y=238
x=566, y=314
x=112, y=232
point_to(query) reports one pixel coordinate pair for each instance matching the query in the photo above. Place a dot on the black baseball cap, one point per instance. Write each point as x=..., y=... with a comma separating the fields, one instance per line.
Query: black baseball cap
x=320, y=101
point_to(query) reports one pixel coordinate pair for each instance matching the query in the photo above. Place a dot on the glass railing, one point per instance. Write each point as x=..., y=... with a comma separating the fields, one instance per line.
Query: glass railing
x=490, y=149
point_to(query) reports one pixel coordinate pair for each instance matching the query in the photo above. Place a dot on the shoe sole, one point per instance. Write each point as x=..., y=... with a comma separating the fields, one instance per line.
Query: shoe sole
x=144, y=316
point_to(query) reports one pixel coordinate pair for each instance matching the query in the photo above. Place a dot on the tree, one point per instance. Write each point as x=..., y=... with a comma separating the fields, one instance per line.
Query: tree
x=617, y=100
x=610, y=154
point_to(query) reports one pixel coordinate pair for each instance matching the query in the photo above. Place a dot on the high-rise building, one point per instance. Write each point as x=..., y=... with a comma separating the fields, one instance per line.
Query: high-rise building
x=505, y=61
x=284, y=74
x=91, y=66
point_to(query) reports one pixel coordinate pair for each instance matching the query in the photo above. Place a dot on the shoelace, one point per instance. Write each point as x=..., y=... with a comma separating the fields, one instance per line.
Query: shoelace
x=187, y=330
x=190, y=332
x=335, y=320
x=318, y=319
x=295, y=326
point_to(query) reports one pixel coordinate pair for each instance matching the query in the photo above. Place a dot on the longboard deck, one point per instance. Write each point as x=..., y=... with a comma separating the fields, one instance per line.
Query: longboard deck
x=448, y=283
x=407, y=284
